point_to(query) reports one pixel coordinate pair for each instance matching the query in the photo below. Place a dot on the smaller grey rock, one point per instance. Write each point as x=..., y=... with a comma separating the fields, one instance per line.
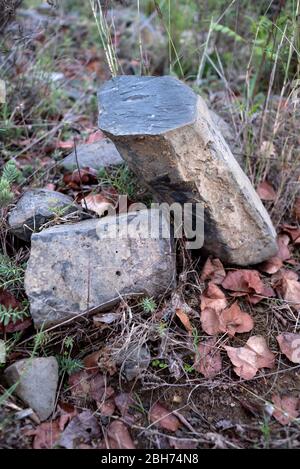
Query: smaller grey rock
x=96, y=155
x=35, y=208
x=36, y=380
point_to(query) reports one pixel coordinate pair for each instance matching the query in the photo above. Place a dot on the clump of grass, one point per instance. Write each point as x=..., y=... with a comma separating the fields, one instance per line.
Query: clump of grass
x=11, y=274
x=121, y=179
x=10, y=174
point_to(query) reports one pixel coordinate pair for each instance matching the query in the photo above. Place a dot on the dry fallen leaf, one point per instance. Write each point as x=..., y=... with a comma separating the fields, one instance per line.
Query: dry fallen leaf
x=231, y=321
x=296, y=208
x=234, y=320
x=210, y=321
x=82, y=429
x=293, y=232
x=163, y=418
x=213, y=298
x=289, y=344
x=283, y=250
x=291, y=293
x=271, y=266
x=119, y=436
x=286, y=408
x=247, y=282
x=95, y=137
x=243, y=280
x=249, y=359
x=214, y=271
x=184, y=319
x=208, y=359
x=266, y=191
x=46, y=435
x=97, y=203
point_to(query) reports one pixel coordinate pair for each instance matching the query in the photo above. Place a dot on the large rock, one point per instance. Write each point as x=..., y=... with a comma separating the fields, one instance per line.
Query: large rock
x=165, y=133
x=96, y=155
x=36, y=383
x=86, y=266
x=35, y=208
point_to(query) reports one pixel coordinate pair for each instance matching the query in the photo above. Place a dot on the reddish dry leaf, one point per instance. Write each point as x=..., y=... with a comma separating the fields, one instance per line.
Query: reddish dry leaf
x=271, y=266
x=296, y=208
x=213, y=270
x=264, y=357
x=184, y=319
x=78, y=177
x=91, y=362
x=163, y=418
x=243, y=280
x=82, y=429
x=210, y=321
x=97, y=203
x=7, y=299
x=85, y=384
x=266, y=191
x=283, y=250
x=208, y=359
x=247, y=360
x=231, y=321
x=244, y=361
x=46, y=435
x=119, y=436
x=95, y=137
x=65, y=145
x=286, y=409
x=293, y=232
x=106, y=408
x=291, y=293
x=213, y=298
x=234, y=320
x=17, y=326
x=289, y=344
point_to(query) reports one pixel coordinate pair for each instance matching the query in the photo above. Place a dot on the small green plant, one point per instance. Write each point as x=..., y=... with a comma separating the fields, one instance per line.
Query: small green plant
x=121, y=179
x=68, y=342
x=41, y=339
x=68, y=365
x=10, y=273
x=188, y=368
x=162, y=328
x=10, y=314
x=149, y=305
x=159, y=364
x=10, y=174
x=266, y=431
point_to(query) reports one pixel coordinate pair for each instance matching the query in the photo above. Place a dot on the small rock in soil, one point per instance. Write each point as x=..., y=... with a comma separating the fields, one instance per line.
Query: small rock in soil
x=96, y=155
x=35, y=208
x=86, y=266
x=36, y=380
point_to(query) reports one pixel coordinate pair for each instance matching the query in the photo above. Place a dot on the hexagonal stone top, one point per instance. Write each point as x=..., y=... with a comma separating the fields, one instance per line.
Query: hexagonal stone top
x=132, y=105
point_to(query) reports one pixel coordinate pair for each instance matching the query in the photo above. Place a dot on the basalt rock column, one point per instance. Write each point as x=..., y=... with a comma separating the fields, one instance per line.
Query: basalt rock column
x=165, y=133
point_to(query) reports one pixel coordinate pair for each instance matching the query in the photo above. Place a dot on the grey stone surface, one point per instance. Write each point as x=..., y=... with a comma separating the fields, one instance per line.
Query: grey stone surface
x=80, y=267
x=165, y=133
x=35, y=208
x=93, y=155
x=36, y=380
